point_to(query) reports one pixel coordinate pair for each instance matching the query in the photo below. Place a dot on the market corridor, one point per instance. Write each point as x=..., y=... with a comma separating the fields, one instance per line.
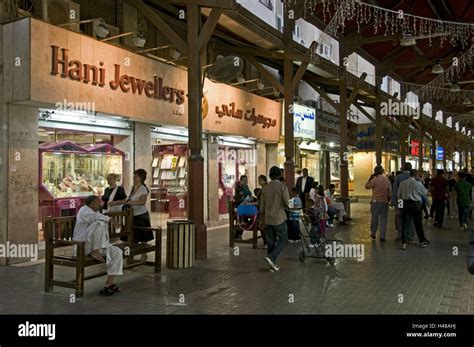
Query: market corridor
x=388, y=280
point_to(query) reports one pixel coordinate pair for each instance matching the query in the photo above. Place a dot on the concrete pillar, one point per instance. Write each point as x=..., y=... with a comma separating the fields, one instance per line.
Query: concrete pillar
x=213, y=181
x=23, y=180
x=271, y=156
x=142, y=152
x=327, y=168
x=261, y=161
x=124, y=143
x=3, y=144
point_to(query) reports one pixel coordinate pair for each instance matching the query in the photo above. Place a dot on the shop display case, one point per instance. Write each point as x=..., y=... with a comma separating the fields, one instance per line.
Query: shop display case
x=169, y=180
x=69, y=173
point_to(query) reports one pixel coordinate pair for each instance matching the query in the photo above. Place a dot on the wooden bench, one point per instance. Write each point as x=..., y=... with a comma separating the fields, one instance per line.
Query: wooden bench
x=58, y=235
x=234, y=227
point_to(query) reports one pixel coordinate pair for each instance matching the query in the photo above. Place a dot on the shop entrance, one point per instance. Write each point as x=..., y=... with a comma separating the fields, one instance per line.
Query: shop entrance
x=233, y=162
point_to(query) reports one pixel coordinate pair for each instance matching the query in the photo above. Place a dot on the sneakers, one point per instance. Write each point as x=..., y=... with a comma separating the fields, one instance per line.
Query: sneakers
x=373, y=237
x=330, y=225
x=424, y=243
x=404, y=246
x=464, y=227
x=272, y=264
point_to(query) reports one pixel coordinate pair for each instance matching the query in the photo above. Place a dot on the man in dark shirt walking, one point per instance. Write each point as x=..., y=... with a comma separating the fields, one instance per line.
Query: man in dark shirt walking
x=439, y=190
x=274, y=199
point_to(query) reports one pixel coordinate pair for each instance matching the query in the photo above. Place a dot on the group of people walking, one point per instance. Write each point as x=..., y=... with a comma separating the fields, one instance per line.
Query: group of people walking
x=279, y=210
x=92, y=224
x=408, y=192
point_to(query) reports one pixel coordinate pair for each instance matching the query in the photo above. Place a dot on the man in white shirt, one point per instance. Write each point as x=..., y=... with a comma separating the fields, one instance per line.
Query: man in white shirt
x=338, y=206
x=410, y=195
x=92, y=227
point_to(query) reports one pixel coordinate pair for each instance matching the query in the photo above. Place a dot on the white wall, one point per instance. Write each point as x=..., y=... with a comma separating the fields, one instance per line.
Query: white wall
x=260, y=10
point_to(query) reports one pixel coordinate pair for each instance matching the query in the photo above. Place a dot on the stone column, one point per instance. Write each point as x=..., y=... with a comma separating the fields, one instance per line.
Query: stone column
x=271, y=156
x=124, y=143
x=213, y=181
x=261, y=160
x=141, y=153
x=23, y=176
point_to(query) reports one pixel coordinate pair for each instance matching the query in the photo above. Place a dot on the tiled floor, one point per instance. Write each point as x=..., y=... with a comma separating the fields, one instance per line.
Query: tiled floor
x=388, y=280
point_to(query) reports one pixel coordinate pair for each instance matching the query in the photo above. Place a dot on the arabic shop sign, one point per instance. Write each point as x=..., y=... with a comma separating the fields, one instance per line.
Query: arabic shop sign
x=96, y=76
x=304, y=122
x=439, y=153
x=248, y=115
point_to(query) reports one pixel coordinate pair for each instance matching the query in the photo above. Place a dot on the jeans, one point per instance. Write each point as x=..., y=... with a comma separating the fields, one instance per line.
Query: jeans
x=378, y=210
x=463, y=215
x=331, y=214
x=399, y=224
x=293, y=229
x=439, y=211
x=277, y=238
x=412, y=212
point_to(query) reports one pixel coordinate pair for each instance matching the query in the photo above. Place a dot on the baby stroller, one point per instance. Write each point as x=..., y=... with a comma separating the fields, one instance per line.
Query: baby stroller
x=312, y=240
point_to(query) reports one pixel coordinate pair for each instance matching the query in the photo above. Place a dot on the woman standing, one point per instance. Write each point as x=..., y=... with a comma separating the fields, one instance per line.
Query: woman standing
x=113, y=195
x=137, y=202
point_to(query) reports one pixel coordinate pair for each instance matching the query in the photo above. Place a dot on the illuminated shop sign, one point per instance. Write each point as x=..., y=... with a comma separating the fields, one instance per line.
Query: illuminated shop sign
x=96, y=76
x=249, y=115
x=440, y=153
x=304, y=122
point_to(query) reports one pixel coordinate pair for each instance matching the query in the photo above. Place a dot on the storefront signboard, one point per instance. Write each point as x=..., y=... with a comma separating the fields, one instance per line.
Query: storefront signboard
x=440, y=153
x=304, y=122
x=67, y=66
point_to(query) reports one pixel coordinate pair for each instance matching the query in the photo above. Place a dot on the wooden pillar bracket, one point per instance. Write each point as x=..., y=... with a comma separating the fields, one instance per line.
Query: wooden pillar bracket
x=160, y=24
x=265, y=73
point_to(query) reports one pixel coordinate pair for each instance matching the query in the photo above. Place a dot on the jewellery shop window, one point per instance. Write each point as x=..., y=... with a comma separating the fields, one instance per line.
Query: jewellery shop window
x=169, y=181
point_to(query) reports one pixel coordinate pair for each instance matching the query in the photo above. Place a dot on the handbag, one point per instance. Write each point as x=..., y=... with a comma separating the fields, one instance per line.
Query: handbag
x=116, y=208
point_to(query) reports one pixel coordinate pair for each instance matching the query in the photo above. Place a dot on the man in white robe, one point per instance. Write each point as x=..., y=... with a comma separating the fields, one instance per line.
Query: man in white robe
x=93, y=228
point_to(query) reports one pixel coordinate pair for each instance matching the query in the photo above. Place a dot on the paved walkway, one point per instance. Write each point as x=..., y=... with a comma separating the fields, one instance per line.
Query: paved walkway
x=388, y=280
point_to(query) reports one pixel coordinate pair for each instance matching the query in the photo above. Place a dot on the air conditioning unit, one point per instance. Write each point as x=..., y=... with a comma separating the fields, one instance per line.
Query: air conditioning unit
x=324, y=51
x=61, y=12
x=91, y=29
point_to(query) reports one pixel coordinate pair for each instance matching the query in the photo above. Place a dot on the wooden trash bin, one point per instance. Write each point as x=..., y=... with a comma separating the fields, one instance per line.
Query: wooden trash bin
x=180, y=244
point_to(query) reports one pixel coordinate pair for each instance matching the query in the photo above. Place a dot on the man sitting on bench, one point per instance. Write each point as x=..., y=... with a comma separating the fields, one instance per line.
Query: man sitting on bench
x=92, y=227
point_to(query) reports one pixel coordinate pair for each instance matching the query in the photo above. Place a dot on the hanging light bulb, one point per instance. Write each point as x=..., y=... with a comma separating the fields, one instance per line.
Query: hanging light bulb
x=455, y=87
x=467, y=102
x=407, y=40
x=437, y=68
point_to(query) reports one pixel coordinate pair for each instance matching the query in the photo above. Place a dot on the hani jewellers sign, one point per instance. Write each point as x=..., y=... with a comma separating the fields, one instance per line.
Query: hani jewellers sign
x=96, y=75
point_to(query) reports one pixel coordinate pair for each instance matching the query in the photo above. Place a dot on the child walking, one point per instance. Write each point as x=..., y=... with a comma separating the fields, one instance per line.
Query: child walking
x=321, y=207
x=294, y=216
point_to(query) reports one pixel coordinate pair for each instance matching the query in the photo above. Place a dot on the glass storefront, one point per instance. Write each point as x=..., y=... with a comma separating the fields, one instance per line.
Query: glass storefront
x=73, y=165
x=233, y=162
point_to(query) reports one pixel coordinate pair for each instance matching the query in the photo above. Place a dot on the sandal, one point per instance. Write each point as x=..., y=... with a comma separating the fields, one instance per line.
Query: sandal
x=107, y=291
x=114, y=288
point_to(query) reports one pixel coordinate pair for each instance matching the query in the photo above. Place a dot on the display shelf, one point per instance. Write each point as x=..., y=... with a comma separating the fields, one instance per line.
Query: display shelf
x=169, y=176
x=68, y=170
